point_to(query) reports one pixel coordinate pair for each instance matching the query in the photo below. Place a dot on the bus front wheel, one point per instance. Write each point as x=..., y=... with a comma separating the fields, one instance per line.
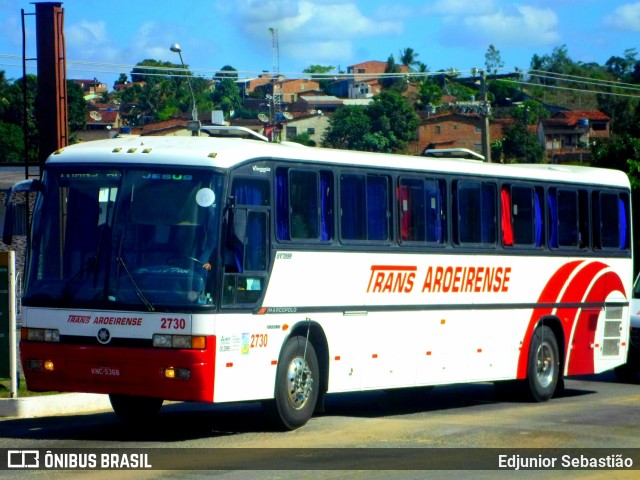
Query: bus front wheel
x=296, y=389
x=543, y=370
x=134, y=409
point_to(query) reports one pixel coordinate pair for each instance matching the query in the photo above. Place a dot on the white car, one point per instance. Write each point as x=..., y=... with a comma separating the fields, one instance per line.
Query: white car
x=629, y=371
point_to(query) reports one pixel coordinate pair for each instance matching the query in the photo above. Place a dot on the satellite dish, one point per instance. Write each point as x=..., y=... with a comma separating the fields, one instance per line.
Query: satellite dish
x=263, y=118
x=95, y=115
x=287, y=115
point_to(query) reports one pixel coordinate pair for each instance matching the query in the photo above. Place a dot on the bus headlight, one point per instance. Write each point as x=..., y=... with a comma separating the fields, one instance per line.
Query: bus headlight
x=163, y=340
x=40, y=334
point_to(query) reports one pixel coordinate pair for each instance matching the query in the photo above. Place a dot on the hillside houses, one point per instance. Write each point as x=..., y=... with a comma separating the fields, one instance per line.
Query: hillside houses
x=565, y=136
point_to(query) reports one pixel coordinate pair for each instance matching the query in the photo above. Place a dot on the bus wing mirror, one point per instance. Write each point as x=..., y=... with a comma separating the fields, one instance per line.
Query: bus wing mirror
x=24, y=186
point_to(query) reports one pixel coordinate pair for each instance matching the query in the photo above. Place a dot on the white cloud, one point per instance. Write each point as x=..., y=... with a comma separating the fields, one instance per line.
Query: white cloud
x=89, y=40
x=518, y=26
x=457, y=8
x=526, y=26
x=304, y=26
x=625, y=17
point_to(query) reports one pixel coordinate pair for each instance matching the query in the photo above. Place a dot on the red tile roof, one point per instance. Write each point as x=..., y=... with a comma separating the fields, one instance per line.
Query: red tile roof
x=571, y=117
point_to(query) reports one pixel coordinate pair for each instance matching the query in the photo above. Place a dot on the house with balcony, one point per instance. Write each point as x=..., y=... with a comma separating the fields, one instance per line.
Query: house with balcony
x=566, y=135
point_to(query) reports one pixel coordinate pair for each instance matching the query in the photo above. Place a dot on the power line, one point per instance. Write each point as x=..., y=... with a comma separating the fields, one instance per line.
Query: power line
x=601, y=86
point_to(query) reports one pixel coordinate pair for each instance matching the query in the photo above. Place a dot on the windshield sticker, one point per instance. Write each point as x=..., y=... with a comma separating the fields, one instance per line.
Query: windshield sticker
x=205, y=197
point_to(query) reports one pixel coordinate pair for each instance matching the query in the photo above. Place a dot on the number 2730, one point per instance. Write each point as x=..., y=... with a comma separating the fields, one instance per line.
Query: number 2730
x=259, y=340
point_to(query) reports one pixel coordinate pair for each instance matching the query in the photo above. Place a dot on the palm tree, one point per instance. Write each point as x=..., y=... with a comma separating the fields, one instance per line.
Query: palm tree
x=408, y=57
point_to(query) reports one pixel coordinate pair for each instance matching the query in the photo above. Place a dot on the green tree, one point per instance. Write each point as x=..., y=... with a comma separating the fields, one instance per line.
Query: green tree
x=76, y=107
x=429, y=93
x=319, y=74
x=621, y=152
x=519, y=144
x=558, y=62
x=347, y=128
x=624, y=113
x=226, y=96
x=408, y=57
x=11, y=143
x=303, y=139
x=386, y=125
x=530, y=112
x=227, y=72
x=392, y=80
x=122, y=80
x=493, y=60
x=14, y=113
x=395, y=118
x=166, y=91
x=4, y=85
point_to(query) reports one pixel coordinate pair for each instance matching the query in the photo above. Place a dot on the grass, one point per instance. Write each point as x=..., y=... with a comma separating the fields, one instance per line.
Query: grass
x=22, y=389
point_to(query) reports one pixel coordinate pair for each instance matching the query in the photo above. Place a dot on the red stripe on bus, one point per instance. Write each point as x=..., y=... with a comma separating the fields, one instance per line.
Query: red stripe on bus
x=582, y=356
x=549, y=294
x=581, y=322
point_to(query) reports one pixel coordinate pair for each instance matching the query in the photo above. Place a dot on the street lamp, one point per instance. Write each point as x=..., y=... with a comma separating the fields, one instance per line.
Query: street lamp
x=194, y=124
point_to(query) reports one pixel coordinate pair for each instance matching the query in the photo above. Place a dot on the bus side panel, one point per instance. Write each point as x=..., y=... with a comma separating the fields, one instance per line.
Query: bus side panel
x=247, y=355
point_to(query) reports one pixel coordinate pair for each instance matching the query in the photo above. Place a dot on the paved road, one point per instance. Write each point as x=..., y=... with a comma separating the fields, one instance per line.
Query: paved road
x=594, y=412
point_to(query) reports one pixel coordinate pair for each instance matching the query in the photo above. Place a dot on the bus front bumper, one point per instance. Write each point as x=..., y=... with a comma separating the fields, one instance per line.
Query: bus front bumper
x=170, y=374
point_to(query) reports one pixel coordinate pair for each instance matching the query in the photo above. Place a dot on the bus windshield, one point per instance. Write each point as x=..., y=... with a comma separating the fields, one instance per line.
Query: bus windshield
x=124, y=238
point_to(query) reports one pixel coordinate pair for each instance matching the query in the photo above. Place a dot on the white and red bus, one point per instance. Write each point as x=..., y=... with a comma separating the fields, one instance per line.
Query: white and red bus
x=226, y=269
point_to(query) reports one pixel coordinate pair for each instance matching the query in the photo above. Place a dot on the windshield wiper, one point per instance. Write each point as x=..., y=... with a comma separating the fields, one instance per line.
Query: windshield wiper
x=143, y=298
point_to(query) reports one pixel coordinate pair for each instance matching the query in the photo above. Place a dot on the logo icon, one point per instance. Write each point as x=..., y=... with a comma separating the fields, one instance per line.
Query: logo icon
x=103, y=336
x=23, y=459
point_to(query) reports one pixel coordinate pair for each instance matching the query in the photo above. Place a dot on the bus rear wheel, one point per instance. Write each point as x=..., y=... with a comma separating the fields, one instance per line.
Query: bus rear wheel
x=296, y=389
x=134, y=409
x=543, y=370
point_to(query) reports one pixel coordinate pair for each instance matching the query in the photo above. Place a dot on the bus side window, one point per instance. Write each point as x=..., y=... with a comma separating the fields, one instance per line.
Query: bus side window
x=304, y=205
x=571, y=223
x=475, y=204
x=507, y=223
x=525, y=216
x=610, y=220
x=365, y=207
x=421, y=210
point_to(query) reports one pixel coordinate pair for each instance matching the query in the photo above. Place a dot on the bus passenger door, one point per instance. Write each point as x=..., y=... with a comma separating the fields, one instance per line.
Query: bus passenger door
x=246, y=257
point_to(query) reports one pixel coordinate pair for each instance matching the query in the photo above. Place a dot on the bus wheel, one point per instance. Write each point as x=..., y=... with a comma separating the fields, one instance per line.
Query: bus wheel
x=133, y=409
x=296, y=390
x=543, y=370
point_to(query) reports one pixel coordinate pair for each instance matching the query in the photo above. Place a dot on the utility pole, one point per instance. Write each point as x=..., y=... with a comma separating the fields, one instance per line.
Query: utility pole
x=51, y=101
x=484, y=117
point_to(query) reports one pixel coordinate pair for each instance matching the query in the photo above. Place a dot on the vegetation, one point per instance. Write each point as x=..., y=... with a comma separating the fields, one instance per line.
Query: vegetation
x=161, y=90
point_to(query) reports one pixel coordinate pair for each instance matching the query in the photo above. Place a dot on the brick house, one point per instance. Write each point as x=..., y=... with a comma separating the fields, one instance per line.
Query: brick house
x=456, y=130
x=567, y=134
x=363, y=80
x=292, y=89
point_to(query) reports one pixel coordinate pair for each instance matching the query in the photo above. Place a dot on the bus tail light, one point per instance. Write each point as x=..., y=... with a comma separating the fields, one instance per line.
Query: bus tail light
x=162, y=340
x=40, y=334
x=172, y=373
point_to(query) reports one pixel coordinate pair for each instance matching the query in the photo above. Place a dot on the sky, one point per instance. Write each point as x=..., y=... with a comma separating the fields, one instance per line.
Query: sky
x=106, y=38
